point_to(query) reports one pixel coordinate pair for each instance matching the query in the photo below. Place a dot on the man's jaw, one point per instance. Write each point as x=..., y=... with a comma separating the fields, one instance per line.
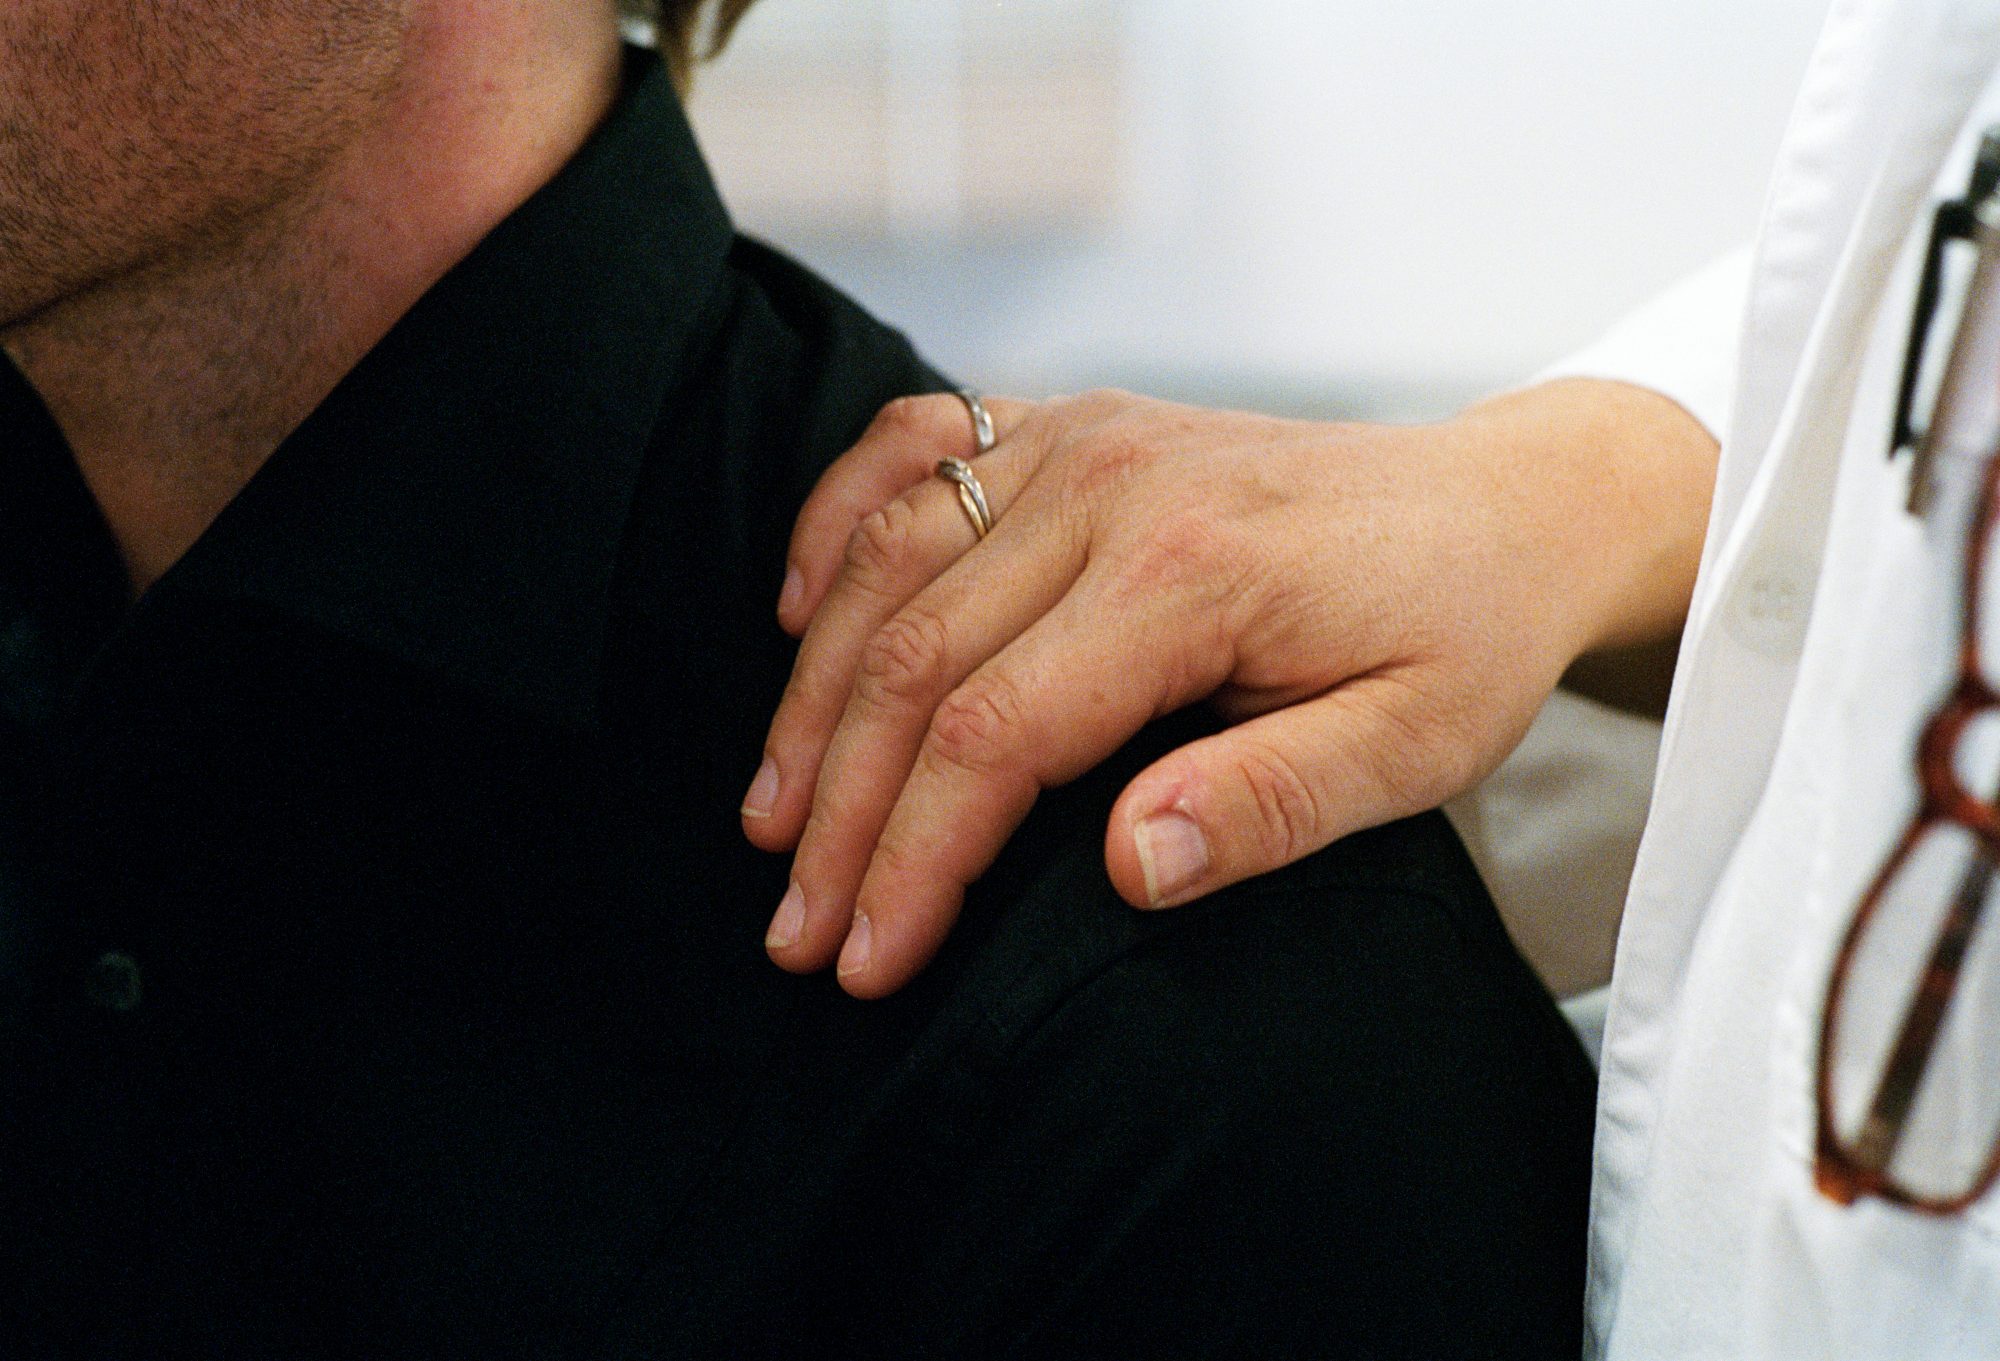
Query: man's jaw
x=176, y=380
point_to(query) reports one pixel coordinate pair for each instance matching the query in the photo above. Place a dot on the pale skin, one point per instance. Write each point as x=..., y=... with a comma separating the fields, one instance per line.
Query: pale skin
x=1382, y=611
x=210, y=211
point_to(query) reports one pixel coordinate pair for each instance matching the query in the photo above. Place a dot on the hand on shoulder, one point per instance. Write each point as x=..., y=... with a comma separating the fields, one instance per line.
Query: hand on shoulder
x=1381, y=609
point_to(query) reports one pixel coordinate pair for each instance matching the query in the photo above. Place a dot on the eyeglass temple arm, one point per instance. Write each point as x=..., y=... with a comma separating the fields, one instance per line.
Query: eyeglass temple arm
x=1883, y=1128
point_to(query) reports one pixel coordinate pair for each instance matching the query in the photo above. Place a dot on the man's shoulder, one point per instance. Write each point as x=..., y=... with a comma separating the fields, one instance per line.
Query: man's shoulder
x=1147, y=1133
x=784, y=377
x=795, y=369
x=1074, y=1092
x=1051, y=967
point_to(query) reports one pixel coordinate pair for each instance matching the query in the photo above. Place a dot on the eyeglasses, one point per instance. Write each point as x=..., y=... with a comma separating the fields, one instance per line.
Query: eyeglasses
x=1908, y=1078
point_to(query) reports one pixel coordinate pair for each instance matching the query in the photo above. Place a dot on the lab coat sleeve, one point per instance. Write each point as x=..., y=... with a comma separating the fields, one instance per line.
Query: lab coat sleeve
x=1682, y=344
x=1555, y=829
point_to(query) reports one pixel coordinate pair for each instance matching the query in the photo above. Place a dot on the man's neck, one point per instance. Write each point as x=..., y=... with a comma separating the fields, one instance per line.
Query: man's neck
x=174, y=384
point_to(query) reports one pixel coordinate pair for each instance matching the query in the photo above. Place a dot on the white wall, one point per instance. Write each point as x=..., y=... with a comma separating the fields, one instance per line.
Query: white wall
x=1331, y=206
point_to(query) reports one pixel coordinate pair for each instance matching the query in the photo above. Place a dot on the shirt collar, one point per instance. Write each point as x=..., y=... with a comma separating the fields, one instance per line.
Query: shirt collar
x=459, y=500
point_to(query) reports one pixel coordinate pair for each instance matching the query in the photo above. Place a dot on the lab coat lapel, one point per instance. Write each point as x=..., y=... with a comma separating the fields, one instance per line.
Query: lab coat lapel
x=1890, y=88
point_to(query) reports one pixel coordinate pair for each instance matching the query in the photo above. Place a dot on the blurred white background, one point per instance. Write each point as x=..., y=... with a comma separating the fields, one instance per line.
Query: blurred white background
x=1306, y=206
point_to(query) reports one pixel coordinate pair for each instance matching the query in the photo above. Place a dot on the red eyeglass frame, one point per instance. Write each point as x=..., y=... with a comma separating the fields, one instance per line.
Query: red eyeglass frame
x=1845, y=1171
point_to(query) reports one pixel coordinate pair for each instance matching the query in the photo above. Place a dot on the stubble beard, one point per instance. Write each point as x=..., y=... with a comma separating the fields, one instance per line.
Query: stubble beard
x=132, y=133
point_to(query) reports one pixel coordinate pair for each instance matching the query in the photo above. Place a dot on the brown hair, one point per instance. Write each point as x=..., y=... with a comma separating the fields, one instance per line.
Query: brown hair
x=679, y=24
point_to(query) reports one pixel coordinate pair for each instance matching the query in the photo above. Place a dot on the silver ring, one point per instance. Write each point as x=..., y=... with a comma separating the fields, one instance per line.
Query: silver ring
x=983, y=438
x=971, y=495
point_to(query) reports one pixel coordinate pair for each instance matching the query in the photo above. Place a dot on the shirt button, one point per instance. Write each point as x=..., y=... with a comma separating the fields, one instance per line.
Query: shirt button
x=1774, y=599
x=1771, y=608
x=112, y=981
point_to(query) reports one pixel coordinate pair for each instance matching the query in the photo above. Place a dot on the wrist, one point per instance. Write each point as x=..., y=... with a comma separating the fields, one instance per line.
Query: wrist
x=1614, y=482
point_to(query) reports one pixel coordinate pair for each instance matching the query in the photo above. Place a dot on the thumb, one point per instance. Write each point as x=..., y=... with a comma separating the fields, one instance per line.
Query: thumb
x=1270, y=791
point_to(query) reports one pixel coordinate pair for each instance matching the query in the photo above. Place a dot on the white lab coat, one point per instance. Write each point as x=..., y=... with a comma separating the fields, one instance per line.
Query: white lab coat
x=1820, y=636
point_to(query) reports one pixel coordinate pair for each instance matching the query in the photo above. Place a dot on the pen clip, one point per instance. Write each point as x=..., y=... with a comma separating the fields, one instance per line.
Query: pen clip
x=1954, y=222
x=1958, y=220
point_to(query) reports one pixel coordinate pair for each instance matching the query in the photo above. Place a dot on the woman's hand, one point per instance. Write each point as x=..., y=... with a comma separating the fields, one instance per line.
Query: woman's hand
x=1382, y=609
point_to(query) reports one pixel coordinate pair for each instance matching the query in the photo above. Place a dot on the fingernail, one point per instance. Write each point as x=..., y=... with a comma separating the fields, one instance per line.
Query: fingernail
x=790, y=923
x=860, y=945
x=793, y=592
x=763, y=795
x=1173, y=854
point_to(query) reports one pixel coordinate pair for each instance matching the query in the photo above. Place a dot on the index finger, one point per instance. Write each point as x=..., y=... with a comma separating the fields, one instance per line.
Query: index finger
x=900, y=448
x=1058, y=700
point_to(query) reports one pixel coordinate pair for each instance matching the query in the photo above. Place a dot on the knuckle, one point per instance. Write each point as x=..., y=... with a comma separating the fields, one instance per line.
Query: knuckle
x=897, y=859
x=1105, y=401
x=979, y=726
x=1108, y=460
x=882, y=545
x=820, y=822
x=1289, y=811
x=1414, y=759
x=911, y=418
x=822, y=833
x=1399, y=772
x=904, y=661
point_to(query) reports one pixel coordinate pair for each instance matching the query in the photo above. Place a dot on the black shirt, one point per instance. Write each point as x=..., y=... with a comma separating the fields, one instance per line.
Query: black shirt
x=383, y=970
